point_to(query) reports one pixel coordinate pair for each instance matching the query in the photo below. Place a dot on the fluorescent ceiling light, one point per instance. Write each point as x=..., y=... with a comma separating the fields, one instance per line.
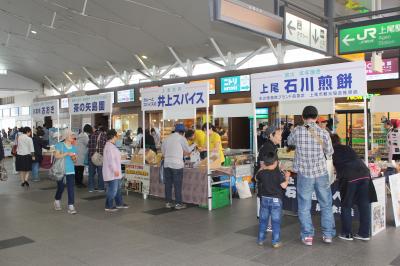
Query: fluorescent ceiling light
x=33, y=31
x=3, y=71
x=70, y=73
x=144, y=57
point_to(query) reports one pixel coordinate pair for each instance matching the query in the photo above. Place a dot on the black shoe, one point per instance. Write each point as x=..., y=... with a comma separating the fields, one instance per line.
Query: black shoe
x=23, y=184
x=26, y=183
x=348, y=237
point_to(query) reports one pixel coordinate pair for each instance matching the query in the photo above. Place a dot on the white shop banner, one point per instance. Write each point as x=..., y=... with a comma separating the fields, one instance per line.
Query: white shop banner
x=45, y=108
x=91, y=104
x=326, y=81
x=178, y=96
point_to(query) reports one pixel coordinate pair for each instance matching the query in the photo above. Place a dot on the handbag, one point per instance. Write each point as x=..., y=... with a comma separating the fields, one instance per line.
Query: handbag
x=329, y=161
x=57, y=171
x=97, y=158
x=3, y=172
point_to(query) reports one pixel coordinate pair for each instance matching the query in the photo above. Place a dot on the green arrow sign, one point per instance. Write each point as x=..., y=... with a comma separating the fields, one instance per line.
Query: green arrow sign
x=377, y=35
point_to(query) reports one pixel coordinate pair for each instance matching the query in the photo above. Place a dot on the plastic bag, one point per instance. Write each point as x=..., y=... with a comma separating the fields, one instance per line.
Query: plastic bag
x=243, y=190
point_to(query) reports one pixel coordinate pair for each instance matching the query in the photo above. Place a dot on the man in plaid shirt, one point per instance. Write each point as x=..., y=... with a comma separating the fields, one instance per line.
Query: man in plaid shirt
x=99, y=135
x=313, y=146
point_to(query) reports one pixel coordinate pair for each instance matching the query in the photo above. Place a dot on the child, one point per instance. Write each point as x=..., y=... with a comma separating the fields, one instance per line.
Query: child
x=271, y=185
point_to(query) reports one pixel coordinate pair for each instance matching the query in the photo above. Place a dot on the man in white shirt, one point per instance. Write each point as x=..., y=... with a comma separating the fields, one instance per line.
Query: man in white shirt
x=173, y=148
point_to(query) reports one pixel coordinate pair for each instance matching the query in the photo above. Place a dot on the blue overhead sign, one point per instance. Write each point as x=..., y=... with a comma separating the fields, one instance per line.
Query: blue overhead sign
x=235, y=84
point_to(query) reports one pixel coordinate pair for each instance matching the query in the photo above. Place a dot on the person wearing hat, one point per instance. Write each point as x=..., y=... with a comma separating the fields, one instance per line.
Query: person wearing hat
x=173, y=149
x=313, y=146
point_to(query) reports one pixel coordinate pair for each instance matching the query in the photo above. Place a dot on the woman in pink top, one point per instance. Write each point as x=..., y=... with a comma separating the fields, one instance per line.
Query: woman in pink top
x=112, y=173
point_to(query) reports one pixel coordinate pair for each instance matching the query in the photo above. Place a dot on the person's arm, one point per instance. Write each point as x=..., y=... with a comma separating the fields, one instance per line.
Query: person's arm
x=328, y=148
x=59, y=153
x=117, y=162
x=285, y=179
x=291, y=138
x=185, y=145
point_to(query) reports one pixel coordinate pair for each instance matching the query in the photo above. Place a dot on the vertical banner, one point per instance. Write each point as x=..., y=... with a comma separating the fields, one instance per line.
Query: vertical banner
x=45, y=108
x=326, y=81
x=91, y=104
x=394, y=181
x=378, y=209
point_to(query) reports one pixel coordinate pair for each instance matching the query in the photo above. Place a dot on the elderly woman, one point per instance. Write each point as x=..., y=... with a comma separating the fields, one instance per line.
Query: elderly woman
x=25, y=155
x=66, y=150
x=112, y=173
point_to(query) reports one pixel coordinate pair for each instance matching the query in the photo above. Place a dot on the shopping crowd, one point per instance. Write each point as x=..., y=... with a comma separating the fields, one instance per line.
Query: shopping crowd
x=313, y=141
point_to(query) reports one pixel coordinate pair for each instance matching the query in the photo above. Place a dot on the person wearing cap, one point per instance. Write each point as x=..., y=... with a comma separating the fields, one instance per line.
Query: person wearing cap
x=323, y=124
x=66, y=150
x=312, y=147
x=174, y=147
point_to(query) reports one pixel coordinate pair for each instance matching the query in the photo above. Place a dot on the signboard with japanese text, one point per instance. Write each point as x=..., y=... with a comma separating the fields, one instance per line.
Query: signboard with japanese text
x=211, y=83
x=90, y=104
x=302, y=31
x=194, y=95
x=326, y=81
x=390, y=70
x=46, y=108
x=138, y=173
x=64, y=103
x=235, y=84
x=370, y=35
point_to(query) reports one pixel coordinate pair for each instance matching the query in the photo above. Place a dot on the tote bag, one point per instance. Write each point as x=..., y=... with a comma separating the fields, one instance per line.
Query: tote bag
x=57, y=171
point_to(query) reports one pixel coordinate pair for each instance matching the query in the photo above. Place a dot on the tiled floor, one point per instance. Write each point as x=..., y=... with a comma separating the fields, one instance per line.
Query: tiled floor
x=32, y=233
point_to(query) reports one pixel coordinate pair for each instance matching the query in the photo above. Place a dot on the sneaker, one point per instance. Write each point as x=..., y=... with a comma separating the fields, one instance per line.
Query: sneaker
x=307, y=241
x=327, y=240
x=348, y=237
x=169, y=205
x=180, y=206
x=123, y=206
x=113, y=209
x=277, y=245
x=357, y=236
x=269, y=228
x=57, y=205
x=71, y=209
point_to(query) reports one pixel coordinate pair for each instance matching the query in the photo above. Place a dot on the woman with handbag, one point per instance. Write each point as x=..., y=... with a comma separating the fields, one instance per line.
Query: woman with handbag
x=356, y=187
x=66, y=151
x=112, y=173
x=25, y=155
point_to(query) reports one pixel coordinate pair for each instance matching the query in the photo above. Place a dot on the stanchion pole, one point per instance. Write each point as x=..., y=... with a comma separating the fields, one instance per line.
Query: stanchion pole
x=365, y=130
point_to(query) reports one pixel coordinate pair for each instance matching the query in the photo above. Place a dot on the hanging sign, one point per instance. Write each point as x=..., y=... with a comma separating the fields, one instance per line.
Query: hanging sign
x=327, y=81
x=370, y=35
x=90, y=104
x=45, y=108
x=192, y=95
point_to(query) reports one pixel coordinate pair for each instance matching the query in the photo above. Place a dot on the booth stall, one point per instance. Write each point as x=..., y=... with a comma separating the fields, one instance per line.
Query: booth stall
x=40, y=110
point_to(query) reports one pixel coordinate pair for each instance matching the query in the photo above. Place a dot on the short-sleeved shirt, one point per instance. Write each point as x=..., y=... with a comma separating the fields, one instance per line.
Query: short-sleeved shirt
x=200, y=138
x=215, y=138
x=269, y=183
x=69, y=164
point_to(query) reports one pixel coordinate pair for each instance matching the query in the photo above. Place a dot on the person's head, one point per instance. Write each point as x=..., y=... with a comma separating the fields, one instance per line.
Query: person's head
x=27, y=131
x=147, y=132
x=180, y=128
x=335, y=139
x=153, y=131
x=88, y=129
x=139, y=131
x=189, y=135
x=69, y=136
x=211, y=127
x=322, y=123
x=101, y=128
x=270, y=160
x=387, y=125
x=310, y=114
x=128, y=133
x=112, y=135
x=274, y=134
x=39, y=132
x=262, y=127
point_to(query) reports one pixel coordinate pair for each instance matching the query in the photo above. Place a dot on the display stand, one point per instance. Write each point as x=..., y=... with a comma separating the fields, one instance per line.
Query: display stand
x=173, y=99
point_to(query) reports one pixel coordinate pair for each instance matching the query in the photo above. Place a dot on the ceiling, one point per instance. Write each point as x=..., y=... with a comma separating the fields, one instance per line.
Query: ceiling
x=115, y=31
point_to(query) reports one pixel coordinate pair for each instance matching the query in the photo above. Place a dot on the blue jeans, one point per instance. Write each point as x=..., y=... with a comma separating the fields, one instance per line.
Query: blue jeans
x=35, y=171
x=173, y=177
x=270, y=207
x=92, y=172
x=113, y=193
x=305, y=188
x=70, y=180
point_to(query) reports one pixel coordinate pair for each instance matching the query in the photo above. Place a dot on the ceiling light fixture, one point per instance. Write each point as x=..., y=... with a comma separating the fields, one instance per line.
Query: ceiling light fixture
x=33, y=31
x=144, y=57
x=70, y=73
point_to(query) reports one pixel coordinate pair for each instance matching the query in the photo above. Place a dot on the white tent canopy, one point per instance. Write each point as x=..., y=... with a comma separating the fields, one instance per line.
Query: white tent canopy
x=233, y=110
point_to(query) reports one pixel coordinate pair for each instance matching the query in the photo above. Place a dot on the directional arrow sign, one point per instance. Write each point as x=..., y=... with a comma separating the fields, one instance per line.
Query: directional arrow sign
x=371, y=35
x=291, y=28
x=297, y=29
x=319, y=37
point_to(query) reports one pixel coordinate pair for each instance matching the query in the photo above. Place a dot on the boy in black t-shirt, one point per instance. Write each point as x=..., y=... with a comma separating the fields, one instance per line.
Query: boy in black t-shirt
x=271, y=185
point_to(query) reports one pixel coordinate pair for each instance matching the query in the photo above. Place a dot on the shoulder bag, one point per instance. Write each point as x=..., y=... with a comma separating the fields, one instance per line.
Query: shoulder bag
x=57, y=171
x=97, y=158
x=329, y=161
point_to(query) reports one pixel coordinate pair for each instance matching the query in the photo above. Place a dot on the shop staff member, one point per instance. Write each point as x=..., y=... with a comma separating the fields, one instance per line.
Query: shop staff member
x=200, y=138
x=173, y=148
x=215, y=142
x=313, y=145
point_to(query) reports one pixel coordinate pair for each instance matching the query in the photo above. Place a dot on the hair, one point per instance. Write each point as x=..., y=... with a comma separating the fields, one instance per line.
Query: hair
x=204, y=127
x=40, y=132
x=189, y=134
x=67, y=133
x=152, y=130
x=128, y=133
x=147, y=132
x=139, y=131
x=335, y=139
x=88, y=129
x=261, y=126
x=26, y=130
x=270, y=158
x=111, y=133
x=310, y=112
